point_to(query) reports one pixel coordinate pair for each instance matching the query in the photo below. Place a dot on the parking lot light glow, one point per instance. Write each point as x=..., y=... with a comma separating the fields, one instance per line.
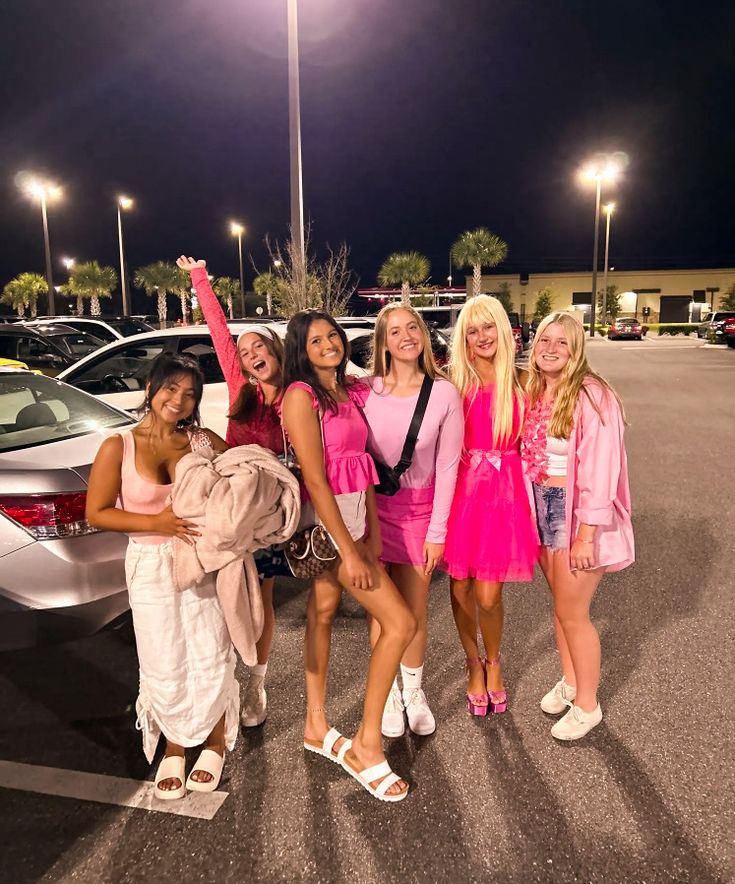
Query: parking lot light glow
x=44, y=192
x=236, y=229
x=68, y=262
x=125, y=202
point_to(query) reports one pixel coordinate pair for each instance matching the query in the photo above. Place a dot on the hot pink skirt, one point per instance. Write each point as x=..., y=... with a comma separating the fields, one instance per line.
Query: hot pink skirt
x=491, y=535
x=404, y=521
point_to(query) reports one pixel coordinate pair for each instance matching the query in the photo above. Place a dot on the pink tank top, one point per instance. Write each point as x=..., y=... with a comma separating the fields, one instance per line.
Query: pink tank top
x=139, y=495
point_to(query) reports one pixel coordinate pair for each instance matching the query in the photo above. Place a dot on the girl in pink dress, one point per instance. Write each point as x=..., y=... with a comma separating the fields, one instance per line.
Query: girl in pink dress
x=574, y=454
x=253, y=370
x=491, y=537
x=339, y=476
x=413, y=522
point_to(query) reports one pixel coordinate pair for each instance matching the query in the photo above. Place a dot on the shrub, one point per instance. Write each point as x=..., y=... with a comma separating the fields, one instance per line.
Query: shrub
x=674, y=328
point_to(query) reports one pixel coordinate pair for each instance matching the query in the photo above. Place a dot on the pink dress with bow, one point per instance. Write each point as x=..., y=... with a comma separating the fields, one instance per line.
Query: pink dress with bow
x=491, y=533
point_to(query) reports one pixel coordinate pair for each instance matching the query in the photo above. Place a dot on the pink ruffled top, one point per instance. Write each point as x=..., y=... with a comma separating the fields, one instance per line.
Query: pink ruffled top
x=533, y=442
x=349, y=468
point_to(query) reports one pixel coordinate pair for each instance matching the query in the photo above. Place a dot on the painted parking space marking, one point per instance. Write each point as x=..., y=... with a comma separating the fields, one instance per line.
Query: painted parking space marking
x=105, y=790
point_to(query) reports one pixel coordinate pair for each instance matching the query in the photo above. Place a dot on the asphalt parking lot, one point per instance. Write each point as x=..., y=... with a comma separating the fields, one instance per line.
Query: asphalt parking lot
x=647, y=797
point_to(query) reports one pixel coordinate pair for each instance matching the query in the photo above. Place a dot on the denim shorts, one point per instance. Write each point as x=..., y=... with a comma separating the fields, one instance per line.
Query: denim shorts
x=551, y=515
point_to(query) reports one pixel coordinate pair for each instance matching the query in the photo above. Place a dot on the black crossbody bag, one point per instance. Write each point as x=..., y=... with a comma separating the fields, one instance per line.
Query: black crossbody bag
x=390, y=477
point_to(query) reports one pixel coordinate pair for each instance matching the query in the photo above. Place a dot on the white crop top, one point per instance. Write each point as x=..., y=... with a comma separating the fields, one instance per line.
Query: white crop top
x=557, y=451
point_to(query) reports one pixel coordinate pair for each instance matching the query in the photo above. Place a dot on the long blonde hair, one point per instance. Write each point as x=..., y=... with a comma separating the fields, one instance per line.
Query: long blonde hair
x=380, y=359
x=477, y=311
x=573, y=377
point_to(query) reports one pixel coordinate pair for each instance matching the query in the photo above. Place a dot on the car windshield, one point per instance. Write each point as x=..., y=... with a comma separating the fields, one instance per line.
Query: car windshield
x=77, y=344
x=128, y=327
x=36, y=410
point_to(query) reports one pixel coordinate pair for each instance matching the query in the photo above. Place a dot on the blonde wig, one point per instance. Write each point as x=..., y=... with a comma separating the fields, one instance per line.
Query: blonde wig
x=381, y=359
x=573, y=377
x=476, y=312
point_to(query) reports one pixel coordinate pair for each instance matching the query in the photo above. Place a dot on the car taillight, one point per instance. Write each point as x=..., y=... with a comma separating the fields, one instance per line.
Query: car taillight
x=729, y=324
x=48, y=516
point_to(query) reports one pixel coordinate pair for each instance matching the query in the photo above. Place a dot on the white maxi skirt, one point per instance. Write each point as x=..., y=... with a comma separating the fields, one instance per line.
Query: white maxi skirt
x=187, y=662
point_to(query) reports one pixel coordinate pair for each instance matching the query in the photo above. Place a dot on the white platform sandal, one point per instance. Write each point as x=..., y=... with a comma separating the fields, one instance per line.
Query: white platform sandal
x=326, y=750
x=210, y=762
x=173, y=767
x=370, y=774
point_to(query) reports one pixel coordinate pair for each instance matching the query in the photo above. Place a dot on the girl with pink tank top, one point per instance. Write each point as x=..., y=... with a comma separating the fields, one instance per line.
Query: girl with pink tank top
x=188, y=691
x=253, y=370
x=413, y=522
x=339, y=476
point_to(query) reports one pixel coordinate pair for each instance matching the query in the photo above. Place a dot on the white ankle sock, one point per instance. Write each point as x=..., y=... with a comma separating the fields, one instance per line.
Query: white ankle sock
x=411, y=677
x=259, y=670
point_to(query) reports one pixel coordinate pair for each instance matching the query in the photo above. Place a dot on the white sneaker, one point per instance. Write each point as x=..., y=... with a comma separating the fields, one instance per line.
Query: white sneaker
x=254, y=703
x=420, y=717
x=393, y=724
x=558, y=698
x=576, y=723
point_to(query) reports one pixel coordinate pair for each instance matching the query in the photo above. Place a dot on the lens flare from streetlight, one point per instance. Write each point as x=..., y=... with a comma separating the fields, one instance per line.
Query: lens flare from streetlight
x=68, y=263
x=125, y=202
x=236, y=229
x=609, y=208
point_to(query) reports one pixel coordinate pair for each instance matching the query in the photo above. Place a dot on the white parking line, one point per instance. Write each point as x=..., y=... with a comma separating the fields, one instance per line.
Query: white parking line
x=105, y=790
x=666, y=348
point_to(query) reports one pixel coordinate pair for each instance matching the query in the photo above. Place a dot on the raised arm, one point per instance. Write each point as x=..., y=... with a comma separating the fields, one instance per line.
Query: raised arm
x=224, y=346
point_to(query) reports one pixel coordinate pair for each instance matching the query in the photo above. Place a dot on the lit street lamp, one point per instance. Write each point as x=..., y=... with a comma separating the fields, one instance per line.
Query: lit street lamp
x=238, y=230
x=609, y=208
x=45, y=191
x=123, y=202
x=68, y=262
x=607, y=170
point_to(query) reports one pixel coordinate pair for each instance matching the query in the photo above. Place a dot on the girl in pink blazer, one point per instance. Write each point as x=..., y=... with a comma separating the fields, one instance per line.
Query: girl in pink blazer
x=574, y=456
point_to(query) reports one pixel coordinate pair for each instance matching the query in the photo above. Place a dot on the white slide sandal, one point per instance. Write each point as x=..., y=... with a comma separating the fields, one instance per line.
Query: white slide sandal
x=210, y=762
x=172, y=767
x=370, y=774
x=328, y=744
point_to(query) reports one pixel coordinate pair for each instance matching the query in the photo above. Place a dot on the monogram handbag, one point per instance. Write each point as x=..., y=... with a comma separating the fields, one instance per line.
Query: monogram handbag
x=310, y=551
x=390, y=477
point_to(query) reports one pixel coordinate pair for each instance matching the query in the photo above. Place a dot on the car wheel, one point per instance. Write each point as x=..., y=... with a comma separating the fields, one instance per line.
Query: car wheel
x=731, y=342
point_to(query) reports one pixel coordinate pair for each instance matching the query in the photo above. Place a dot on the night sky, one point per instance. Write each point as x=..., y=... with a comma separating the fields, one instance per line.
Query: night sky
x=420, y=119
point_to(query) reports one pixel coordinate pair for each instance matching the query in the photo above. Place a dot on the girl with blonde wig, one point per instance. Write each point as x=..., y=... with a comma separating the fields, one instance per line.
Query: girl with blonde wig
x=413, y=522
x=491, y=537
x=574, y=454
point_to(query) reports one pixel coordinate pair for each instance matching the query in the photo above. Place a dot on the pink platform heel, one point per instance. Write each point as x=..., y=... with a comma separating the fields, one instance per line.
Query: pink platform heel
x=498, y=700
x=476, y=703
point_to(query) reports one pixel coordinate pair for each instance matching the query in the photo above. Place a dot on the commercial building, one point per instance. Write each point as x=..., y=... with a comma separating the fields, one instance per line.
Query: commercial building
x=649, y=295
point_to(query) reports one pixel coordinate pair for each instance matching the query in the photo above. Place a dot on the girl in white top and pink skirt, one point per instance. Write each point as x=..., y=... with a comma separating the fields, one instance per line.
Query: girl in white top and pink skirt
x=413, y=521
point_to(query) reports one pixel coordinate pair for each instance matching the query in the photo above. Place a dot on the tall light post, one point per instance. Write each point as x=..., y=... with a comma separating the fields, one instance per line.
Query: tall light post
x=123, y=203
x=45, y=191
x=238, y=230
x=607, y=170
x=608, y=209
x=294, y=133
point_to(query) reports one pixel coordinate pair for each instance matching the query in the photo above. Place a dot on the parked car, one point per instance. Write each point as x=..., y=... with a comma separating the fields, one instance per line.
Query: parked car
x=59, y=577
x=118, y=371
x=25, y=344
x=361, y=345
x=70, y=341
x=712, y=329
x=728, y=330
x=625, y=328
x=107, y=328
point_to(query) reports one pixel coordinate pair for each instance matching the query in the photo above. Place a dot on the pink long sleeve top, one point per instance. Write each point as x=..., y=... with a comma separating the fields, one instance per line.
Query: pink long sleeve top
x=265, y=426
x=438, y=447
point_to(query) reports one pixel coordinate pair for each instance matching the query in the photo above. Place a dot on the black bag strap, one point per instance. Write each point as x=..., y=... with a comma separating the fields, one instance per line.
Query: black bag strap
x=413, y=431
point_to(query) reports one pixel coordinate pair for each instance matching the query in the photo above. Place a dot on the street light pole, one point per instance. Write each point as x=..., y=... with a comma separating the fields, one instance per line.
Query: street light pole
x=238, y=230
x=123, y=202
x=608, y=211
x=294, y=133
x=598, y=181
x=47, y=247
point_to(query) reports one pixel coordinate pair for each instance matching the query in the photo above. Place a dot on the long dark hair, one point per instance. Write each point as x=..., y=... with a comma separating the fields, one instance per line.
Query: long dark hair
x=296, y=364
x=165, y=368
x=246, y=404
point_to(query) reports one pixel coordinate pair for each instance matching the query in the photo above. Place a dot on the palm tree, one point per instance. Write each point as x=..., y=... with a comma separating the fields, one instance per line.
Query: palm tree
x=477, y=249
x=91, y=280
x=406, y=269
x=23, y=291
x=272, y=287
x=182, y=288
x=225, y=287
x=158, y=279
